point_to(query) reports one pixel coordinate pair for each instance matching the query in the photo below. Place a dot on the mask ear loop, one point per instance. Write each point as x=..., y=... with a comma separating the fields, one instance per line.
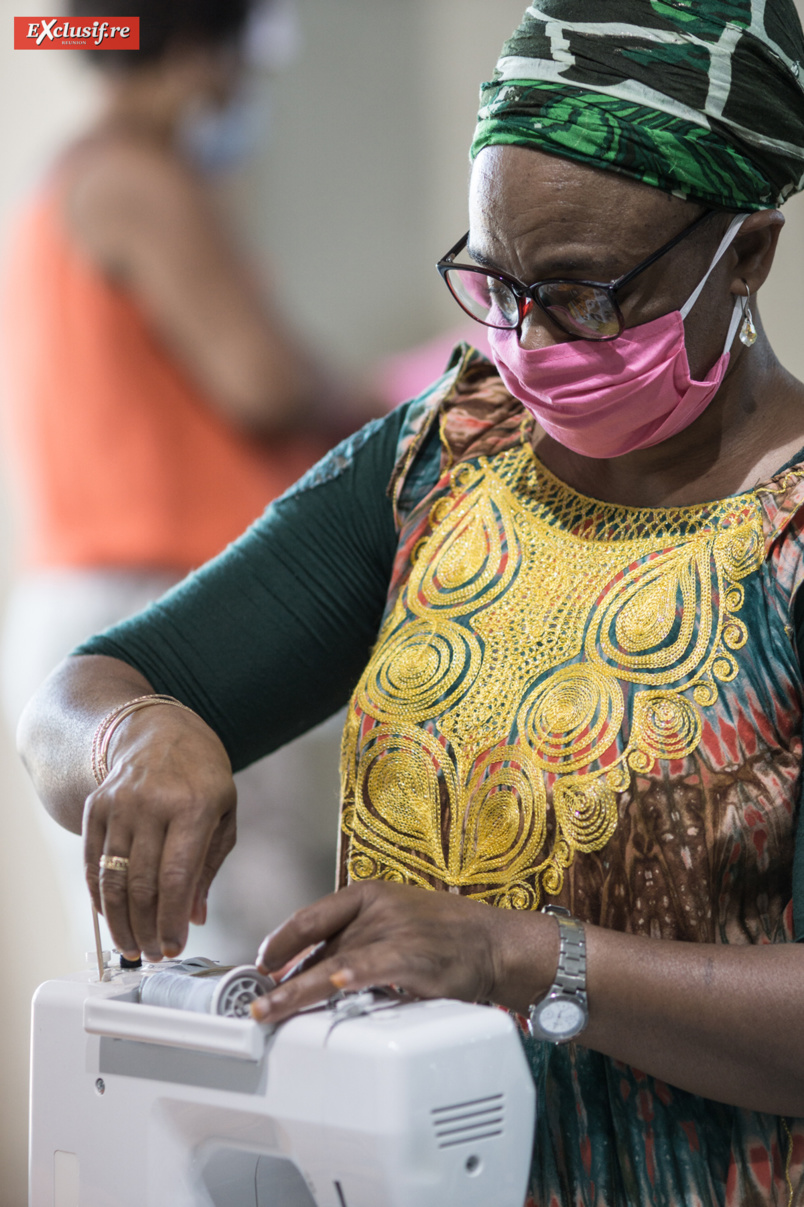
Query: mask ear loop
x=728, y=238
x=737, y=312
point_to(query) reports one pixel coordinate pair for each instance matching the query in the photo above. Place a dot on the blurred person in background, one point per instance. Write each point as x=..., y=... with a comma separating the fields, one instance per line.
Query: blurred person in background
x=156, y=402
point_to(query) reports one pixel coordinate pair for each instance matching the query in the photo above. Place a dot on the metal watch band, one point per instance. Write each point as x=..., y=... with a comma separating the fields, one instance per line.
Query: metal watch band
x=571, y=971
x=569, y=984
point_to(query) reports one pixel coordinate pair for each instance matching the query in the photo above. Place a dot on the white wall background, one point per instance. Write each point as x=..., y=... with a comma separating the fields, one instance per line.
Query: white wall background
x=362, y=186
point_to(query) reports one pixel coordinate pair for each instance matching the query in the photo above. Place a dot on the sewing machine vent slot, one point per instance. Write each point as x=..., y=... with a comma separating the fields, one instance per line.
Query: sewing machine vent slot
x=466, y=1122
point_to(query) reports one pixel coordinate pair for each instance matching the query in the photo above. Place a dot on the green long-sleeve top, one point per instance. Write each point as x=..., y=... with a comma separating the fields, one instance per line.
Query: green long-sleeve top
x=269, y=638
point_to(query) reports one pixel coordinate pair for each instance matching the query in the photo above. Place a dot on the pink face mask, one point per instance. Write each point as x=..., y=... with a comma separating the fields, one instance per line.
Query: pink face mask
x=604, y=399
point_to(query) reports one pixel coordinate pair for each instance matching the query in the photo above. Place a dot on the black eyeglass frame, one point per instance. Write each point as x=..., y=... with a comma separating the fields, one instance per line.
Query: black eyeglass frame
x=524, y=293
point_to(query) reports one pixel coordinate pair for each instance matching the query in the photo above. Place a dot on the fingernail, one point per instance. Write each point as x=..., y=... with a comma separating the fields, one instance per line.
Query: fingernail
x=260, y=1008
x=342, y=979
x=171, y=949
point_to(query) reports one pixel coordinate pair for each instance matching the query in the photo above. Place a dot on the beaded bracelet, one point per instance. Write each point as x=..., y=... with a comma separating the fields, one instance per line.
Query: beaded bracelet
x=103, y=734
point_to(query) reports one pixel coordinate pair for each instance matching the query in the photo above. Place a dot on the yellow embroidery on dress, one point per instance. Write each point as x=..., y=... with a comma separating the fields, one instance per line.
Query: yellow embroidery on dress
x=784, y=481
x=545, y=647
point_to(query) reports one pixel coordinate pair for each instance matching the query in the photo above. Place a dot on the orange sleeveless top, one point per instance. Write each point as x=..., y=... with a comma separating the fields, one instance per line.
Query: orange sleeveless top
x=116, y=456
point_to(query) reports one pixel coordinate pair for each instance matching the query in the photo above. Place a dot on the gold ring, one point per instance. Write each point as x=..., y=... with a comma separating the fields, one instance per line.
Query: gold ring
x=114, y=863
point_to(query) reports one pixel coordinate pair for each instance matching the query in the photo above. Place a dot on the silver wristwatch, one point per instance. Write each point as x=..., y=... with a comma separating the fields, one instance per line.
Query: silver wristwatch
x=563, y=1012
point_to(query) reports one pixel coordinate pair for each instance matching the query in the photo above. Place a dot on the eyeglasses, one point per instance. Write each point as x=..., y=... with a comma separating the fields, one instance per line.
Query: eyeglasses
x=586, y=309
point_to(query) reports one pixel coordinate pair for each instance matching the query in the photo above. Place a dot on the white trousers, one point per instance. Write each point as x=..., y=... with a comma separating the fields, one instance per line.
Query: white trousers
x=287, y=802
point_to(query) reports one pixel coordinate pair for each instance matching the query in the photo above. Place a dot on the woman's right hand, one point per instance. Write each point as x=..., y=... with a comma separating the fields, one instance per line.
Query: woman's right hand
x=168, y=806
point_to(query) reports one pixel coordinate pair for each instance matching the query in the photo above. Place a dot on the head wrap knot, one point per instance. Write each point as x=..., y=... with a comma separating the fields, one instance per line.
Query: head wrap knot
x=702, y=98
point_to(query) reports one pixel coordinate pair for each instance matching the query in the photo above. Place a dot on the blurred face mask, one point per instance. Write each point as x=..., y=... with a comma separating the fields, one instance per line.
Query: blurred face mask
x=611, y=398
x=220, y=139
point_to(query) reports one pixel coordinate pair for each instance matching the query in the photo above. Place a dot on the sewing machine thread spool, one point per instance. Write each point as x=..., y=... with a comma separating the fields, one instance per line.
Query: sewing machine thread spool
x=205, y=988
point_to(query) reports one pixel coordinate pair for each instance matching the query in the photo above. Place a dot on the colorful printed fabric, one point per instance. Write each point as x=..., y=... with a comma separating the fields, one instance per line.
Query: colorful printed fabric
x=600, y=707
x=702, y=98
x=612, y=1136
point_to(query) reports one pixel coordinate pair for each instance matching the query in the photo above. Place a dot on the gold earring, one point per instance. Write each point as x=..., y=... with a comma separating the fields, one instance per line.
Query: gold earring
x=748, y=332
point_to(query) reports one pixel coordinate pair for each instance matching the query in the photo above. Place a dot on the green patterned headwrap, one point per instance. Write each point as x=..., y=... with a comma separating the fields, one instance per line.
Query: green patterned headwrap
x=702, y=98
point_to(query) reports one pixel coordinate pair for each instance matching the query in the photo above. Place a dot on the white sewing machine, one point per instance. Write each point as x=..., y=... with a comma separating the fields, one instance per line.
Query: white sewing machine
x=366, y=1102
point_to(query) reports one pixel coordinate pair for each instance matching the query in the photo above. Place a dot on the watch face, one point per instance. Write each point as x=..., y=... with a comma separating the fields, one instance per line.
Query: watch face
x=561, y=1017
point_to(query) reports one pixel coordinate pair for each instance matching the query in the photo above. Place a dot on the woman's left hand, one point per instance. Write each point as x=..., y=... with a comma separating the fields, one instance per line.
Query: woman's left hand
x=686, y=1013
x=430, y=944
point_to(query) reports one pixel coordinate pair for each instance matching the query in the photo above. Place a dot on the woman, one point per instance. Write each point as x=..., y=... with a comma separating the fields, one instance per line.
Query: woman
x=572, y=622
x=157, y=400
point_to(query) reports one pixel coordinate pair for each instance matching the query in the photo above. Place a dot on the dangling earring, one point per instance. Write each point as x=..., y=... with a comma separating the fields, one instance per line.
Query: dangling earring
x=748, y=332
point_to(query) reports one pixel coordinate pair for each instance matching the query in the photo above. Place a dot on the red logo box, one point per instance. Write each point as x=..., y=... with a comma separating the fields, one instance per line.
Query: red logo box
x=76, y=33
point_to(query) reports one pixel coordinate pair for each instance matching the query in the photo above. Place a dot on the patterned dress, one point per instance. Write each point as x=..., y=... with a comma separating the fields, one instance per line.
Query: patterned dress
x=599, y=706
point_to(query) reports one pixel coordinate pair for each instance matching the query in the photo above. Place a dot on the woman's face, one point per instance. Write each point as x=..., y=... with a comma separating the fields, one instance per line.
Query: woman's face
x=536, y=216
